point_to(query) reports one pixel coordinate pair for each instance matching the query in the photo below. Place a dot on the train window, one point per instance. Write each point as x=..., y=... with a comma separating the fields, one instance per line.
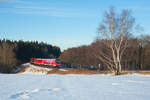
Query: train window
x=52, y=61
x=58, y=61
x=47, y=61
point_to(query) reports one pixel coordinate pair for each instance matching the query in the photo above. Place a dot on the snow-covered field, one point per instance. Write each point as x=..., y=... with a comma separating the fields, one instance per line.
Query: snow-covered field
x=74, y=87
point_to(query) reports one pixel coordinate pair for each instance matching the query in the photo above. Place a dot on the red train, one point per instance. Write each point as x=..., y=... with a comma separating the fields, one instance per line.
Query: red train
x=51, y=62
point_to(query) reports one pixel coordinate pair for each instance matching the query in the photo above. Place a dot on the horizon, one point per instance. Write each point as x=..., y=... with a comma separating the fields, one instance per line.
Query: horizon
x=66, y=23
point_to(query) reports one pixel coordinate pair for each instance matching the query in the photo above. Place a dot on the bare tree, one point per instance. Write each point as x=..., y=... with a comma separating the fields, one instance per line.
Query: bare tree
x=114, y=31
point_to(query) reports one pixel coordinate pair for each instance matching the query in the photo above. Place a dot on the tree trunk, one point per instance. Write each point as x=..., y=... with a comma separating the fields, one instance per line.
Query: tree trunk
x=140, y=55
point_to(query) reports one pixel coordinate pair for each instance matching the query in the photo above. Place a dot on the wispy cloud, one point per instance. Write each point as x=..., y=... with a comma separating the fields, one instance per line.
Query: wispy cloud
x=22, y=1
x=5, y=0
x=17, y=1
x=34, y=8
x=30, y=7
x=46, y=13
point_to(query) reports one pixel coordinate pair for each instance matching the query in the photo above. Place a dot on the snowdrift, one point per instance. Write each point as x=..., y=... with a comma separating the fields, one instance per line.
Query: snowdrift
x=32, y=69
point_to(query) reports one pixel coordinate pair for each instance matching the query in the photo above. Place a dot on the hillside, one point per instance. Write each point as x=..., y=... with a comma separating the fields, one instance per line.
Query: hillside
x=28, y=68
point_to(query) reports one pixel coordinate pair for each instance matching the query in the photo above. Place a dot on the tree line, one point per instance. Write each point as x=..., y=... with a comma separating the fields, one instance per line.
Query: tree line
x=135, y=57
x=13, y=53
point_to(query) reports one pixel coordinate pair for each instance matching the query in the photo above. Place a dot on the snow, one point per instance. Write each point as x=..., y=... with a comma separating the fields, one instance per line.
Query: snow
x=32, y=69
x=74, y=87
x=35, y=69
x=63, y=70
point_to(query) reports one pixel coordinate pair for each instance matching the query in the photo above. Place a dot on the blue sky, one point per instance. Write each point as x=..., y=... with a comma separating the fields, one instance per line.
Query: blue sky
x=64, y=23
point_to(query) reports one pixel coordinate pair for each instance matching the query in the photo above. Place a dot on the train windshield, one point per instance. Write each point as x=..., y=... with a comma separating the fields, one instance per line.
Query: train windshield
x=57, y=61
